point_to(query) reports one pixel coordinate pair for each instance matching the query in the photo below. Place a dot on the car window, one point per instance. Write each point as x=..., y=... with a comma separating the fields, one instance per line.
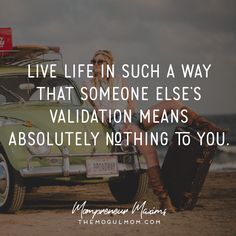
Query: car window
x=28, y=90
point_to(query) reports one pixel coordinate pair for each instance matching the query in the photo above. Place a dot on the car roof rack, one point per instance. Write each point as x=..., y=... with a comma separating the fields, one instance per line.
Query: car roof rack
x=22, y=55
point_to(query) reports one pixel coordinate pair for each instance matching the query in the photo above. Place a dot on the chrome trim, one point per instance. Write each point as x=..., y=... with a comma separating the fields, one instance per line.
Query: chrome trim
x=65, y=156
x=66, y=169
x=3, y=179
x=73, y=170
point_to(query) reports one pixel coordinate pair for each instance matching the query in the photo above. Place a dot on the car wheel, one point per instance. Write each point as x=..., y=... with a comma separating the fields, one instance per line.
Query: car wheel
x=12, y=188
x=129, y=188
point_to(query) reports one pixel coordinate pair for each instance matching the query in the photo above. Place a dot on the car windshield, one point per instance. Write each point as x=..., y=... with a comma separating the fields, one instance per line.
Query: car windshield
x=21, y=88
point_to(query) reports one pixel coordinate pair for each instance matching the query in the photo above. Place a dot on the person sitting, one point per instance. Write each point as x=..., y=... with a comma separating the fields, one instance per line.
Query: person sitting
x=100, y=60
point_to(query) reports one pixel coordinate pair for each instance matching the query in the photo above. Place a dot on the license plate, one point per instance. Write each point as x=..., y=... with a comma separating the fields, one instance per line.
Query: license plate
x=102, y=166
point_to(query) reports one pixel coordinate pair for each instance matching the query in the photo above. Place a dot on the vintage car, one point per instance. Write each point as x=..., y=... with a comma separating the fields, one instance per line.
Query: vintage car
x=26, y=162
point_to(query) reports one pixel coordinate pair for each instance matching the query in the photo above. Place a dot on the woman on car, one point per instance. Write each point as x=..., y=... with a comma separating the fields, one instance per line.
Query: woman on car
x=100, y=60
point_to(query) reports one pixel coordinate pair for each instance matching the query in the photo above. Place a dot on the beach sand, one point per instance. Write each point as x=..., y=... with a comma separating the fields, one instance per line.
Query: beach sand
x=48, y=212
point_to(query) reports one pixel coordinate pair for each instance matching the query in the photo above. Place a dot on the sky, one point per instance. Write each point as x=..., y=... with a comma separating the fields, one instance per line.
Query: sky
x=148, y=31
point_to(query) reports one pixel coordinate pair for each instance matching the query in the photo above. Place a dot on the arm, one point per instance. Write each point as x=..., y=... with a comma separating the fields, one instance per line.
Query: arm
x=131, y=105
x=93, y=104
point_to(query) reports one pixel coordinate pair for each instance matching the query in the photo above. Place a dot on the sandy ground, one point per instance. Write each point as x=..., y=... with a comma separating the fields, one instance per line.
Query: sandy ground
x=48, y=212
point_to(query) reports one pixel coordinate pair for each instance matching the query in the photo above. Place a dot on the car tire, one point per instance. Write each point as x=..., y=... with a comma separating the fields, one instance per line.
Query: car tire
x=129, y=188
x=12, y=187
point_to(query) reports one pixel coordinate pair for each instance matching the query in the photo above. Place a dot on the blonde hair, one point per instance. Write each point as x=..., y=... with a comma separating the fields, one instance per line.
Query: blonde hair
x=110, y=61
x=105, y=53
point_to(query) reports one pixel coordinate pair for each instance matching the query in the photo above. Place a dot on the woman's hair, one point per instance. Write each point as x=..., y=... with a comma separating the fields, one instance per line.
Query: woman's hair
x=107, y=54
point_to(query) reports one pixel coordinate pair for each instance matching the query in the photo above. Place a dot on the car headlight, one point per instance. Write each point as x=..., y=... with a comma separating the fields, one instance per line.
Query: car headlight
x=35, y=143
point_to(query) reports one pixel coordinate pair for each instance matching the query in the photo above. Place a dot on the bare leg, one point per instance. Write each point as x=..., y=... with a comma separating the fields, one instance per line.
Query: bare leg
x=148, y=151
x=193, y=117
x=160, y=107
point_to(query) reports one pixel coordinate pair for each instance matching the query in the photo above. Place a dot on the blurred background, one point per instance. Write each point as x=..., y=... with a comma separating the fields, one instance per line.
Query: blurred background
x=151, y=31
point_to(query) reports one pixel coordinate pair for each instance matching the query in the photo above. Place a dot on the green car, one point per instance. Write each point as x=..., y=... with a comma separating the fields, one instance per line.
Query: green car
x=37, y=151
